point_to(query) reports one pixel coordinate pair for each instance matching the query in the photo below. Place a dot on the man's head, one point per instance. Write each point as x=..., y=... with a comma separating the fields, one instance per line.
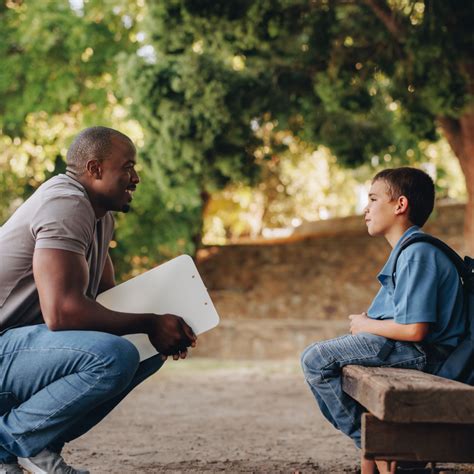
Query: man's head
x=103, y=160
x=399, y=193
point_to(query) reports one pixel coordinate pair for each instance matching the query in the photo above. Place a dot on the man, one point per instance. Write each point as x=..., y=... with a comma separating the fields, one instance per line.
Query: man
x=63, y=366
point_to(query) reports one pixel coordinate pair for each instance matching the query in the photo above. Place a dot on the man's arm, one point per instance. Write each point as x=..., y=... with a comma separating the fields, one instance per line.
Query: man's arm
x=61, y=279
x=415, y=332
x=107, y=280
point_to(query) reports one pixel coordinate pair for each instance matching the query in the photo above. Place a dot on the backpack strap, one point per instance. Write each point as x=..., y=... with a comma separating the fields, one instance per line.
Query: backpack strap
x=469, y=293
x=469, y=282
x=458, y=262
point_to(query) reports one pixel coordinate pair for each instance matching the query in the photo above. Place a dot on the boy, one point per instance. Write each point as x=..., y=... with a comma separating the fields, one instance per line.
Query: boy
x=424, y=305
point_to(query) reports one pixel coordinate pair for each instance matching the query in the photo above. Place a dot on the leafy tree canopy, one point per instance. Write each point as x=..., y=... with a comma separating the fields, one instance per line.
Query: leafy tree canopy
x=55, y=57
x=366, y=79
x=204, y=78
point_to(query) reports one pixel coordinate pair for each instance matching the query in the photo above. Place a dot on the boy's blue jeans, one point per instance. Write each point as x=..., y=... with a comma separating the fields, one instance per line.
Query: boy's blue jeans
x=322, y=364
x=55, y=386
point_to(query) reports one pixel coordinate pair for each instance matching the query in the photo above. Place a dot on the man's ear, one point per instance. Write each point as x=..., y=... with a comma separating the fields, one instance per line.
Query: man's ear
x=94, y=169
x=402, y=205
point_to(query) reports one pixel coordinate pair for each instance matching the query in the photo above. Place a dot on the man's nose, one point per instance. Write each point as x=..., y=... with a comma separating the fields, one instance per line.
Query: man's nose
x=135, y=177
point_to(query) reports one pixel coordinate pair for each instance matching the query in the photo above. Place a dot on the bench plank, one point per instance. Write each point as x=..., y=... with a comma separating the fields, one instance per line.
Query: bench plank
x=438, y=442
x=405, y=396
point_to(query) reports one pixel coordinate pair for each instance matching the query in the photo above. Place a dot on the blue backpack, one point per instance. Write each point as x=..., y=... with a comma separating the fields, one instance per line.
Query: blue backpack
x=460, y=363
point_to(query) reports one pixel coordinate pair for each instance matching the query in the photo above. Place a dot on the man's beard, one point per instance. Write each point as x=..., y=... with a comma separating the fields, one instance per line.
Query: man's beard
x=125, y=208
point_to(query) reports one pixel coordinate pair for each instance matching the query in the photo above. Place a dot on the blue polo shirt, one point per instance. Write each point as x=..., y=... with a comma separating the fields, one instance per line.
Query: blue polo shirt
x=427, y=290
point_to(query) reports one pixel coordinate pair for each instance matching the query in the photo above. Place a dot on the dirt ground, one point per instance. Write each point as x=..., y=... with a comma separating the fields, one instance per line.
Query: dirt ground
x=203, y=416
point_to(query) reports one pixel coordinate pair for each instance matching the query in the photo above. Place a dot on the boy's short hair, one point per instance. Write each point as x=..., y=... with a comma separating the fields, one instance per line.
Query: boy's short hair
x=416, y=185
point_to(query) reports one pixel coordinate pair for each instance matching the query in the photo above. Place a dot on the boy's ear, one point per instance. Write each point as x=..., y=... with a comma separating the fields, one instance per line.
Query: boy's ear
x=402, y=205
x=94, y=169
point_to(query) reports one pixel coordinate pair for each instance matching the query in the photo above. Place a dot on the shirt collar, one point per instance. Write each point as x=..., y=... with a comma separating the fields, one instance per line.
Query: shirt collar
x=387, y=269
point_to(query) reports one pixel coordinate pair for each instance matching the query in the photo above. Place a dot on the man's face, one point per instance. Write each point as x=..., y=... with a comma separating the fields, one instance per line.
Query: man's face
x=380, y=211
x=118, y=178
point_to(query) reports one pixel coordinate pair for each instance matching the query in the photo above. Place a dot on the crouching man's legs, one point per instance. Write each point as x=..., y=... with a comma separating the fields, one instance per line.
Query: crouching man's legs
x=51, y=379
x=85, y=422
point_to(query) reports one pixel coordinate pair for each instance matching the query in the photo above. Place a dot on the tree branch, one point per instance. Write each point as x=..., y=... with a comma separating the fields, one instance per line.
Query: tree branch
x=387, y=16
x=452, y=130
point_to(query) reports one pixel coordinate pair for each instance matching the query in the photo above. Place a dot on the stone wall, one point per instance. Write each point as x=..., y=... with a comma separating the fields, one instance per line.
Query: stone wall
x=275, y=298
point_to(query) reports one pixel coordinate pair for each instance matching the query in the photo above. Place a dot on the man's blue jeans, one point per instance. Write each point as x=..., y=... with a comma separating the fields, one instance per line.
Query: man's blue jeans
x=322, y=364
x=55, y=386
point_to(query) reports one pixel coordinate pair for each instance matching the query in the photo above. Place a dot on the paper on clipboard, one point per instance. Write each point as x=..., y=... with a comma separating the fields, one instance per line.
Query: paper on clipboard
x=174, y=287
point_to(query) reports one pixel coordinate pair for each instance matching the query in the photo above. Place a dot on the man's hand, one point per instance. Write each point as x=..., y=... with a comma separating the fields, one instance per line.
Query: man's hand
x=170, y=335
x=359, y=323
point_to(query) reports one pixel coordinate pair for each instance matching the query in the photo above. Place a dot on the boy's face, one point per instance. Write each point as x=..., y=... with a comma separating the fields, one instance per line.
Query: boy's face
x=380, y=212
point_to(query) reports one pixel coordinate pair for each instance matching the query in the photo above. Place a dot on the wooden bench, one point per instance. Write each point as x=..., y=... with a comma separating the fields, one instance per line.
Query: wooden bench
x=412, y=416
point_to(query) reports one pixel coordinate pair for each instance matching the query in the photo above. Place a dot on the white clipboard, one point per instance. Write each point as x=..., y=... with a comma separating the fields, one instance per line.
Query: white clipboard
x=174, y=287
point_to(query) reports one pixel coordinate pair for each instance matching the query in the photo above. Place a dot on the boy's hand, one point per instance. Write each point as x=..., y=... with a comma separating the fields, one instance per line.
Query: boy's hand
x=359, y=323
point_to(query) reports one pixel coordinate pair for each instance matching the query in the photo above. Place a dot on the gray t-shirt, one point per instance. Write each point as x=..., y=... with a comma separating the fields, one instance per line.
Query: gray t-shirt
x=59, y=215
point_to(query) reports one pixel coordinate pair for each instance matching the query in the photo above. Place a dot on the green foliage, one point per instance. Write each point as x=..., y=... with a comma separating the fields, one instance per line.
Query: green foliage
x=204, y=77
x=196, y=113
x=333, y=73
x=54, y=57
x=25, y=163
x=328, y=71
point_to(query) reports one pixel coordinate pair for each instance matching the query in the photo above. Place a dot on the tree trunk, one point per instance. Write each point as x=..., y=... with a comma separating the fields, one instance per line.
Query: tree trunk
x=197, y=238
x=460, y=136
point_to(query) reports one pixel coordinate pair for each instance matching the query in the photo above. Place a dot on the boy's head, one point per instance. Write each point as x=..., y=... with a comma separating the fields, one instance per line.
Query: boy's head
x=400, y=192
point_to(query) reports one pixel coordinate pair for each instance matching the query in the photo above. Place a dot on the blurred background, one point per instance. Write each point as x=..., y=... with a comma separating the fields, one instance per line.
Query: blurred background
x=259, y=125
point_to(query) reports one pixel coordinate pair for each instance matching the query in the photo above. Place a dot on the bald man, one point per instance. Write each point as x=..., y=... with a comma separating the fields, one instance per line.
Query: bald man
x=63, y=364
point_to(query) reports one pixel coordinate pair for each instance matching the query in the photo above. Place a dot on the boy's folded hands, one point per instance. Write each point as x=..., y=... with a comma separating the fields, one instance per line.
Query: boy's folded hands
x=358, y=323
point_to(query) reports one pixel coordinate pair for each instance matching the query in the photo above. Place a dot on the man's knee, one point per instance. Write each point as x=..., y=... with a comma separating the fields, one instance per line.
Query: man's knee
x=119, y=359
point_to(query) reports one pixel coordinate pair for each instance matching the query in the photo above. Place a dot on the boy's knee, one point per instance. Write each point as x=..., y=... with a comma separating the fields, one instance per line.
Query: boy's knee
x=311, y=360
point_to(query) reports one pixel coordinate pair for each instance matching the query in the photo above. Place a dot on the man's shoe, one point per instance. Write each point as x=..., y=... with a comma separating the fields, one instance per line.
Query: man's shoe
x=47, y=462
x=10, y=468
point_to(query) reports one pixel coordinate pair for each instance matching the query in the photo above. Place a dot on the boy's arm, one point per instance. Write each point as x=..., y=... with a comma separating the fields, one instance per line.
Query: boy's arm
x=388, y=328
